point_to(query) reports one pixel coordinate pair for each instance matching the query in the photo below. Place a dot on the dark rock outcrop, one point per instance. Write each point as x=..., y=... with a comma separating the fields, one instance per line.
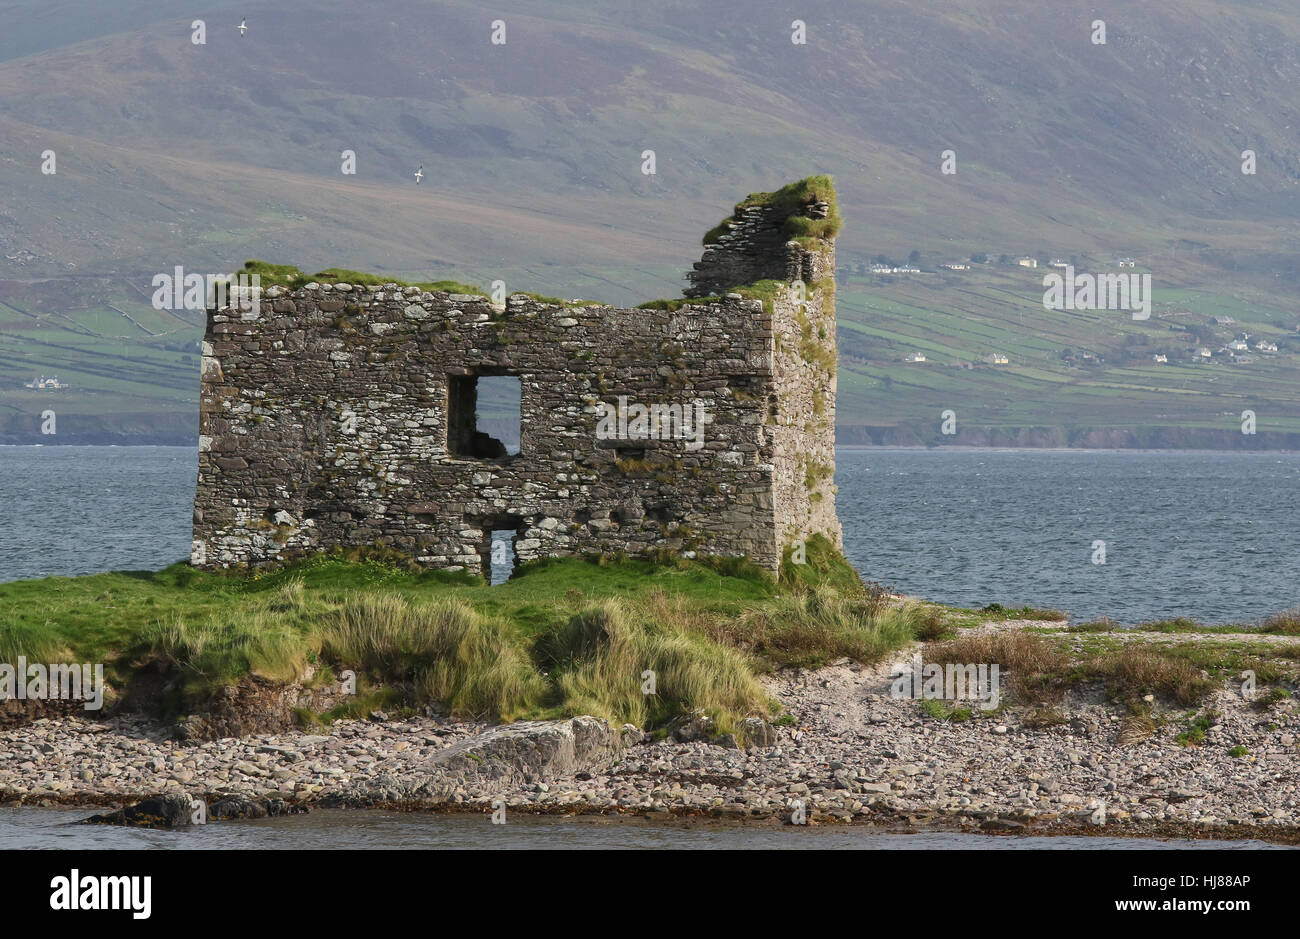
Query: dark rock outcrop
x=243, y=807
x=170, y=810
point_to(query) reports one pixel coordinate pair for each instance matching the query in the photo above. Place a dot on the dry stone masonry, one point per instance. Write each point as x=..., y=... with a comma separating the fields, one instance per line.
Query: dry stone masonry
x=344, y=415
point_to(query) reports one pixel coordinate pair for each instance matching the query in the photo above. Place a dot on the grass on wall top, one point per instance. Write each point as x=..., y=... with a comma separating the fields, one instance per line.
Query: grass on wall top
x=790, y=201
x=289, y=276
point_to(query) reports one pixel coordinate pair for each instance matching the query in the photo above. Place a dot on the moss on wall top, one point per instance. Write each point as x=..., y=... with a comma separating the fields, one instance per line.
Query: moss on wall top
x=764, y=290
x=791, y=200
x=287, y=275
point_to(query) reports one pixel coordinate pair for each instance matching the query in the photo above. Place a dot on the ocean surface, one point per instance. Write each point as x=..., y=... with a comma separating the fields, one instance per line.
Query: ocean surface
x=1212, y=536
x=352, y=830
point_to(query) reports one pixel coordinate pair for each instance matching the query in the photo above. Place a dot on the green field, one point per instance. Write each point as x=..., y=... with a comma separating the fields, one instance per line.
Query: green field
x=959, y=319
x=132, y=372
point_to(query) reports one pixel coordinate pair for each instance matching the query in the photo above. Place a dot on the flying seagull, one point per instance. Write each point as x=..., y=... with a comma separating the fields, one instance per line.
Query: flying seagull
x=419, y=174
x=243, y=27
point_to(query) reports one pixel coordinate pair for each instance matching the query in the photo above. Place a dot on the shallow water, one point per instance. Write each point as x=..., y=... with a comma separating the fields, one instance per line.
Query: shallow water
x=353, y=830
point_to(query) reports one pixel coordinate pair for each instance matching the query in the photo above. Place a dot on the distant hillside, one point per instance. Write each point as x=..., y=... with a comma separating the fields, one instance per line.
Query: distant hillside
x=132, y=371
x=170, y=153
x=1070, y=378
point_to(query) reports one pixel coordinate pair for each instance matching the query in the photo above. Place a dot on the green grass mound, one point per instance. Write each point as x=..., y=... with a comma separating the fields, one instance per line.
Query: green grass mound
x=790, y=201
x=562, y=637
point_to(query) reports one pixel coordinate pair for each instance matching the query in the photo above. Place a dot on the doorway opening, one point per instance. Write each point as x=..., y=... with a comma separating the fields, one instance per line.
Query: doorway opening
x=501, y=558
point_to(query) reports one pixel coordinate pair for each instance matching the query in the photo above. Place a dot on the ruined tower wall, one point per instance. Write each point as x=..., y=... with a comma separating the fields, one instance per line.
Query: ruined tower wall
x=752, y=248
x=804, y=384
x=754, y=245
x=325, y=421
x=340, y=415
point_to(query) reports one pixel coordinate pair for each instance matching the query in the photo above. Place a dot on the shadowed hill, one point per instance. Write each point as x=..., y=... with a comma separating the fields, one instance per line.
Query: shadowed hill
x=171, y=153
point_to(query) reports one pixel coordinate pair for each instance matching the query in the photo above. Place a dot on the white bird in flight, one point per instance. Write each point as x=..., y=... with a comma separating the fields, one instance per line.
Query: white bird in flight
x=243, y=26
x=419, y=174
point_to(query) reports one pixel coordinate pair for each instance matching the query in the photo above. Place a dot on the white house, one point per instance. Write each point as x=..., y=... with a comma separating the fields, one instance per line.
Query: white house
x=45, y=384
x=1203, y=352
x=915, y=357
x=1027, y=262
x=1265, y=346
x=1238, y=345
x=1160, y=357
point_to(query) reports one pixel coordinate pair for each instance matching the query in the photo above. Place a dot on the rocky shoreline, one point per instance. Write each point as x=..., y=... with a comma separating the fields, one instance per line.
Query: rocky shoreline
x=853, y=755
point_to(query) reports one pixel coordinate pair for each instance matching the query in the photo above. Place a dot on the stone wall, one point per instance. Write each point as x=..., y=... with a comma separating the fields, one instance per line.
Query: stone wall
x=753, y=246
x=342, y=415
x=804, y=380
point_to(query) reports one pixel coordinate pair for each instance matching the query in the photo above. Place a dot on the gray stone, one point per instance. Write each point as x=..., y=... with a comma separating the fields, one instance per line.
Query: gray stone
x=543, y=749
x=759, y=733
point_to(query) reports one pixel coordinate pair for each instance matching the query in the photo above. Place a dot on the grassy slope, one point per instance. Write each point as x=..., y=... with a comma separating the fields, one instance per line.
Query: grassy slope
x=576, y=636
x=563, y=637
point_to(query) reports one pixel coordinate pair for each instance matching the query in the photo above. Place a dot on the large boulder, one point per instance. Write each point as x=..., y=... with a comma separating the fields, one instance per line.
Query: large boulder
x=530, y=749
x=759, y=733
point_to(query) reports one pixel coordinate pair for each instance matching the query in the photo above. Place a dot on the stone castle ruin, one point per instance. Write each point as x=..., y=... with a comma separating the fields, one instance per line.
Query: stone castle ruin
x=340, y=414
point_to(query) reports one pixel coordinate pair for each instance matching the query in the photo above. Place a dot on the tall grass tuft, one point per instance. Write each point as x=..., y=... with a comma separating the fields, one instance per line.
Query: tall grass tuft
x=1286, y=623
x=444, y=649
x=1032, y=668
x=220, y=649
x=602, y=652
x=1134, y=671
x=36, y=644
x=819, y=625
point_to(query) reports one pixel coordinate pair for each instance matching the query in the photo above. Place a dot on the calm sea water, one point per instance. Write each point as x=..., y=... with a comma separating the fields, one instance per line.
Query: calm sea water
x=1213, y=536
x=352, y=830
